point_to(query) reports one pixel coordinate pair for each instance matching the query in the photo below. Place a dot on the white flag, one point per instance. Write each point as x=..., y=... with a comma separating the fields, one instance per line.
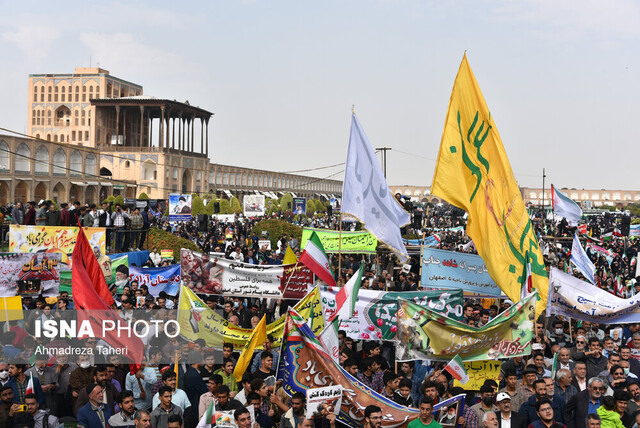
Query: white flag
x=581, y=260
x=366, y=194
x=565, y=207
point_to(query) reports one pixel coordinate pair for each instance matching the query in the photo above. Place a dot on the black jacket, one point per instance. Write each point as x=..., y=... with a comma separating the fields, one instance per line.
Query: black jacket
x=517, y=420
x=576, y=410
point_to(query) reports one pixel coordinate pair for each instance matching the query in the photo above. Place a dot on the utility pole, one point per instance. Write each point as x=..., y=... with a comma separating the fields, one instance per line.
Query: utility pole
x=384, y=159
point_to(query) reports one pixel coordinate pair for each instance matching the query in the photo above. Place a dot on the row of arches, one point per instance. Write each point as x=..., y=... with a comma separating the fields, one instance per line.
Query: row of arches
x=61, y=116
x=40, y=162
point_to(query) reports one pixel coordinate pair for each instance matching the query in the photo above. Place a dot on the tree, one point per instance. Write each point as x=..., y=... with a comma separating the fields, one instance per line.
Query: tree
x=235, y=206
x=311, y=208
x=119, y=200
x=225, y=206
x=197, y=206
x=143, y=196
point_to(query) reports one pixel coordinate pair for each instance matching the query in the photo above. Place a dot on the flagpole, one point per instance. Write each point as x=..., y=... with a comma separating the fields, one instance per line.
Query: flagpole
x=340, y=247
x=289, y=279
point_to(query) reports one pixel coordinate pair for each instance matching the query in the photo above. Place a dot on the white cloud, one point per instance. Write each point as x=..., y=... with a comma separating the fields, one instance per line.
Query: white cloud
x=121, y=51
x=35, y=41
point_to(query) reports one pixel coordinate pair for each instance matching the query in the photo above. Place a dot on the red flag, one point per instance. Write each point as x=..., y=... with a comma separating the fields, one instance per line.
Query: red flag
x=93, y=269
x=30, y=389
x=86, y=298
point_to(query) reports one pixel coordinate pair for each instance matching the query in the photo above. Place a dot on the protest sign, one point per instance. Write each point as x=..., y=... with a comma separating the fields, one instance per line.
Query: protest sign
x=214, y=275
x=426, y=334
x=51, y=239
x=574, y=298
x=165, y=279
x=197, y=320
x=374, y=316
x=451, y=269
x=179, y=207
x=30, y=273
x=352, y=242
x=328, y=398
x=264, y=244
x=479, y=371
x=300, y=206
x=254, y=205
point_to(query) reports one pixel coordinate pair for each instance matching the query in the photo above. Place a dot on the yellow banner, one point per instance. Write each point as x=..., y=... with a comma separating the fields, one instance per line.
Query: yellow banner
x=52, y=239
x=473, y=173
x=11, y=308
x=479, y=371
x=198, y=321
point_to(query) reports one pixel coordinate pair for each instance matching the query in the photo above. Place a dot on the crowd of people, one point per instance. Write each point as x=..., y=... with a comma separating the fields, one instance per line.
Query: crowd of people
x=595, y=381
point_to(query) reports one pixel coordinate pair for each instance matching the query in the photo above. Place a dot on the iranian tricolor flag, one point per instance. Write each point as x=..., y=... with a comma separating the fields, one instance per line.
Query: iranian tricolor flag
x=347, y=296
x=30, y=389
x=527, y=280
x=209, y=418
x=457, y=370
x=316, y=259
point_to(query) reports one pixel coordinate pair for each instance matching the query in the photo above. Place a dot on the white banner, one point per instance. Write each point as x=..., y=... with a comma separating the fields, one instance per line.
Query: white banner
x=213, y=275
x=578, y=299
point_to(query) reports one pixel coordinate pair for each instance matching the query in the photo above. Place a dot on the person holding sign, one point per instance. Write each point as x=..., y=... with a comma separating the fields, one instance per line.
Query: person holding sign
x=426, y=416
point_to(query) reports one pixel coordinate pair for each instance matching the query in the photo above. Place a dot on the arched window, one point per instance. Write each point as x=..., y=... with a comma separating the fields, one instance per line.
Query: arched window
x=4, y=157
x=75, y=163
x=59, y=162
x=22, y=162
x=42, y=161
x=90, y=164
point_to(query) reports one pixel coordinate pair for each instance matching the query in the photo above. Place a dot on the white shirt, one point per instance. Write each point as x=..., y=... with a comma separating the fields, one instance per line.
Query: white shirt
x=179, y=398
x=505, y=423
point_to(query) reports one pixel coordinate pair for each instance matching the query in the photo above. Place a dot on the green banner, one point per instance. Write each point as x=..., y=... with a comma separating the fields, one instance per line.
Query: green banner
x=352, y=242
x=423, y=333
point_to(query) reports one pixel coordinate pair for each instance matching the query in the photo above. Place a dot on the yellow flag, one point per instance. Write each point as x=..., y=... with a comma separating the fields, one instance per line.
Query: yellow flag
x=289, y=257
x=258, y=337
x=11, y=308
x=473, y=173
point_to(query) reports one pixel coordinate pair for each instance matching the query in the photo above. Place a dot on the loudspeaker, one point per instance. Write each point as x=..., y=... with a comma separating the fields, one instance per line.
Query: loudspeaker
x=289, y=205
x=329, y=210
x=626, y=225
x=203, y=222
x=216, y=207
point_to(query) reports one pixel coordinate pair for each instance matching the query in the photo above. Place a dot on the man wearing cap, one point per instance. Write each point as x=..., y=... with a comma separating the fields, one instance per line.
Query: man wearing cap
x=506, y=417
x=94, y=414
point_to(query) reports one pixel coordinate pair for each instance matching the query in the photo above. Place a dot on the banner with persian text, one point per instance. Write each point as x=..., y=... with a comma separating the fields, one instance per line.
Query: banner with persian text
x=375, y=312
x=30, y=273
x=207, y=274
x=166, y=278
x=347, y=242
x=574, y=298
x=52, y=239
x=452, y=269
x=197, y=321
x=426, y=334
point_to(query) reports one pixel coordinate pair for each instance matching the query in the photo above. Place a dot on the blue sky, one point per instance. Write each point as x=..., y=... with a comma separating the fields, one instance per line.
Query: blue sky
x=561, y=78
